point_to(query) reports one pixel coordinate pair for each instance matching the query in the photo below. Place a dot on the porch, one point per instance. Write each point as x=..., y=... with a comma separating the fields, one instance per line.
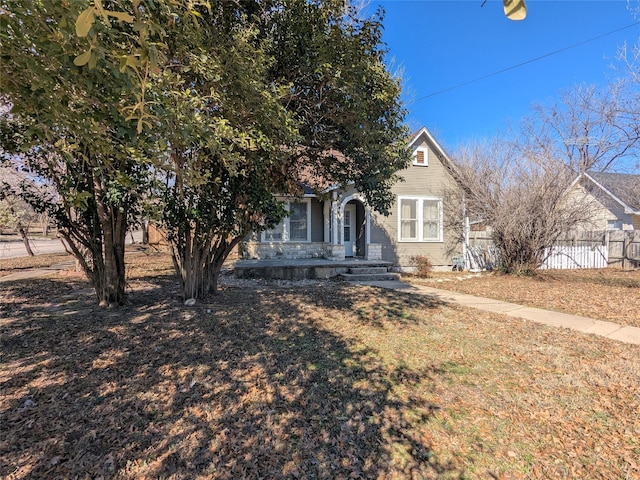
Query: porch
x=334, y=229
x=306, y=268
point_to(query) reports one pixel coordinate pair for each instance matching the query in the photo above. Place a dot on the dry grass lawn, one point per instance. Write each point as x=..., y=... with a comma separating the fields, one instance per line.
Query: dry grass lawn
x=314, y=380
x=606, y=294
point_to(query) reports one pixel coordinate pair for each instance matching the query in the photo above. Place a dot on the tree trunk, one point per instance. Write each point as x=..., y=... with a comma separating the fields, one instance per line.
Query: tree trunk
x=191, y=267
x=25, y=240
x=112, y=281
x=22, y=231
x=199, y=263
x=145, y=232
x=220, y=254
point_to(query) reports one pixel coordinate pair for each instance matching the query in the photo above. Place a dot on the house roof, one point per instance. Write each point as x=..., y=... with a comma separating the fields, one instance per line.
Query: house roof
x=624, y=188
x=312, y=183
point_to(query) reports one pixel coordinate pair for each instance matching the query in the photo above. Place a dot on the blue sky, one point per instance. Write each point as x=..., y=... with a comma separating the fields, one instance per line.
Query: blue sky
x=441, y=44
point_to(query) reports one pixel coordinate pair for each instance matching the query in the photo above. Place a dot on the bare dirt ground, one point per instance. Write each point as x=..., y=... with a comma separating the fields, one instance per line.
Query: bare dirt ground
x=306, y=380
x=606, y=294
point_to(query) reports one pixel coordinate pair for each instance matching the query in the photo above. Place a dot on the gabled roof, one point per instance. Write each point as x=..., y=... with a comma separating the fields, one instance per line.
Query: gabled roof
x=442, y=155
x=623, y=188
x=312, y=183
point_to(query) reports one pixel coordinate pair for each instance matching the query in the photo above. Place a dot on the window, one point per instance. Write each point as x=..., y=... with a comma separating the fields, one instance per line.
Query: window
x=614, y=224
x=296, y=227
x=409, y=219
x=276, y=234
x=420, y=219
x=430, y=220
x=421, y=157
x=298, y=221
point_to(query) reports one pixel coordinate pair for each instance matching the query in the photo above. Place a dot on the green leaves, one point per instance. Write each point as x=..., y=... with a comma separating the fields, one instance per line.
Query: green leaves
x=122, y=16
x=87, y=18
x=85, y=22
x=83, y=58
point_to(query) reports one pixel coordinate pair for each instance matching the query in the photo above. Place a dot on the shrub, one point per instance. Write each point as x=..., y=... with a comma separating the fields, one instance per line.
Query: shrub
x=423, y=266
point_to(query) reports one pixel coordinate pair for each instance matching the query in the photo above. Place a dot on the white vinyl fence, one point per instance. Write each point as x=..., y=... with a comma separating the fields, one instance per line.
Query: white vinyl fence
x=599, y=249
x=576, y=257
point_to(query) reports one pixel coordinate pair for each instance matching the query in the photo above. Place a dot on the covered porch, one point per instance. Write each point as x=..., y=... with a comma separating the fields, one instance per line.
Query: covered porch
x=335, y=229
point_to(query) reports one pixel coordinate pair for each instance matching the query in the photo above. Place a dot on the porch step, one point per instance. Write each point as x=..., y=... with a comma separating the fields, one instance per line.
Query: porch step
x=370, y=277
x=367, y=270
x=369, y=274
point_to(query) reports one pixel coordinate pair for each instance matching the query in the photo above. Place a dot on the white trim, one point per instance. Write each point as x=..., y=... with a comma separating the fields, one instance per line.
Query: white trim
x=367, y=219
x=286, y=225
x=367, y=228
x=350, y=207
x=334, y=219
x=420, y=219
x=414, y=157
x=326, y=214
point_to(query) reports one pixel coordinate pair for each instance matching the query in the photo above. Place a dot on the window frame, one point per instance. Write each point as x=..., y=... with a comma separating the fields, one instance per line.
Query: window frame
x=286, y=225
x=423, y=150
x=420, y=219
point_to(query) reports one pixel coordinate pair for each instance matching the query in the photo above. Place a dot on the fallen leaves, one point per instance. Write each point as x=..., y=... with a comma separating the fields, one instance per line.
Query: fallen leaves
x=326, y=380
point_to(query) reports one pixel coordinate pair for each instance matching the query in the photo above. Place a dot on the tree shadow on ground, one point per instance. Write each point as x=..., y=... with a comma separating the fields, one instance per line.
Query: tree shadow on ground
x=249, y=384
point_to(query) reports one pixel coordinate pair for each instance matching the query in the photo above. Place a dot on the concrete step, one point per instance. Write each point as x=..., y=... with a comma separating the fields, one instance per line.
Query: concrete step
x=370, y=277
x=367, y=270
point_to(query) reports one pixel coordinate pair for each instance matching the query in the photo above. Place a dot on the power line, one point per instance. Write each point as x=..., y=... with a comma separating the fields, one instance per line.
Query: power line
x=521, y=64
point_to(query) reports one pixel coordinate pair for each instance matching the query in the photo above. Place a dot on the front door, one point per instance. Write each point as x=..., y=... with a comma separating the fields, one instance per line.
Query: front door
x=349, y=224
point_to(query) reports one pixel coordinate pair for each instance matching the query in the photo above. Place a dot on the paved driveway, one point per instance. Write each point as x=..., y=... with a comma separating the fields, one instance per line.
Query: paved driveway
x=11, y=246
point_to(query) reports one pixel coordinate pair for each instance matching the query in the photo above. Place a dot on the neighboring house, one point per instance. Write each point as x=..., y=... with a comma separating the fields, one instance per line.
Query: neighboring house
x=617, y=197
x=339, y=224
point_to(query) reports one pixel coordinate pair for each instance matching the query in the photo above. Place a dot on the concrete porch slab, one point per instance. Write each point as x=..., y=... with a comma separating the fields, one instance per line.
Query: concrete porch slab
x=300, y=269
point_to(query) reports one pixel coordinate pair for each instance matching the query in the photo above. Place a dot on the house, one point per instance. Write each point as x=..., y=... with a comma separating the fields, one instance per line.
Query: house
x=617, y=199
x=339, y=224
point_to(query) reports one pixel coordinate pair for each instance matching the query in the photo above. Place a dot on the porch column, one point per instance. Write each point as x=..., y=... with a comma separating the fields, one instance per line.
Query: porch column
x=367, y=225
x=373, y=251
x=334, y=220
x=334, y=251
x=327, y=217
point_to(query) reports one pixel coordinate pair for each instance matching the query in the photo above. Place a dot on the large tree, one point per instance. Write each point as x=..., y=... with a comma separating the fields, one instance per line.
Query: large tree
x=524, y=197
x=255, y=99
x=226, y=134
x=590, y=128
x=71, y=103
x=233, y=103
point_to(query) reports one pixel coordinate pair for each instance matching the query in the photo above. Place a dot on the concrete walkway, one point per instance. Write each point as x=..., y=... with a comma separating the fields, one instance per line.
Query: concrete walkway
x=39, y=272
x=610, y=330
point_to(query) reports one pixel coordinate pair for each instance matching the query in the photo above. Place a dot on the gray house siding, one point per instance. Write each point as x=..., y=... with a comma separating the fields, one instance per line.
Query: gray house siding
x=430, y=181
x=317, y=221
x=421, y=195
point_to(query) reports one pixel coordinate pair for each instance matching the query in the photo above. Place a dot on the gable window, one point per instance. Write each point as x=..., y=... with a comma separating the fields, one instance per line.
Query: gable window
x=420, y=219
x=421, y=157
x=295, y=227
